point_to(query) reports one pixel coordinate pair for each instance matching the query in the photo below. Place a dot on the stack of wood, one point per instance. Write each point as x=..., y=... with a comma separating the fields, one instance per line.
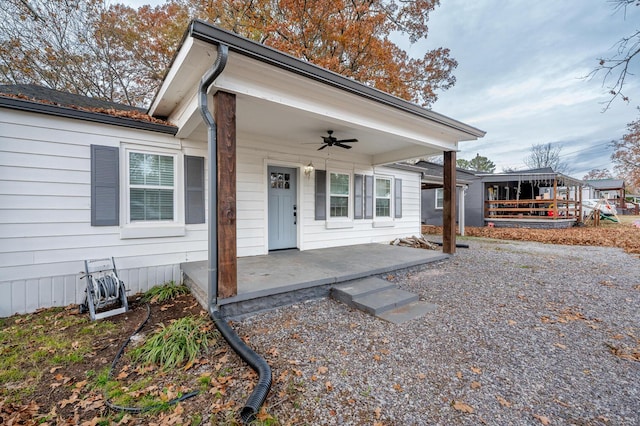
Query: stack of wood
x=415, y=242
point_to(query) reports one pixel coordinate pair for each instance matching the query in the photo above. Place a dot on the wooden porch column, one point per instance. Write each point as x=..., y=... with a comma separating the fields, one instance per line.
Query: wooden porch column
x=225, y=117
x=449, y=207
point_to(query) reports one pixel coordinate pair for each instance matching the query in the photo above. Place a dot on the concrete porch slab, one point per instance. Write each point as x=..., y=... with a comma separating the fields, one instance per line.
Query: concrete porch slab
x=289, y=276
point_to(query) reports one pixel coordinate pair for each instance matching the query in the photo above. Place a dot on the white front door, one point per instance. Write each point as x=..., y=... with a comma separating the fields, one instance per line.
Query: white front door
x=282, y=208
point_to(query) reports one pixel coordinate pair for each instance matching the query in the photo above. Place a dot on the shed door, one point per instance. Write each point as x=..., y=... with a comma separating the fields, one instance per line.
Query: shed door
x=282, y=208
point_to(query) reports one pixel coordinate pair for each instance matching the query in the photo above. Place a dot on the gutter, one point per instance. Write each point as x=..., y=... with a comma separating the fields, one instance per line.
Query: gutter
x=257, y=363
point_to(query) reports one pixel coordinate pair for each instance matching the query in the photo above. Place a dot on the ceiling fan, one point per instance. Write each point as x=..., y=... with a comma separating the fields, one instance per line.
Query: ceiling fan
x=331, y=141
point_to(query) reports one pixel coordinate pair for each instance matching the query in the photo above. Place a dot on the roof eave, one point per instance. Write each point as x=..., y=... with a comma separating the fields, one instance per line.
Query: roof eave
x=203, y=31
x=59, y=111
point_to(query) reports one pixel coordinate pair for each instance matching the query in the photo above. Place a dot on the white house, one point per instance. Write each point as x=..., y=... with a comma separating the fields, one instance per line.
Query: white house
x=77, y=184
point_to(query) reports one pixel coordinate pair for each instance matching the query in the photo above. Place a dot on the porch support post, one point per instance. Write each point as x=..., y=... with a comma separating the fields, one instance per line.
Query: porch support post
x=461, y=212
x=555, y=198
x=449, y=207
x=225, y=117
x=579, y=204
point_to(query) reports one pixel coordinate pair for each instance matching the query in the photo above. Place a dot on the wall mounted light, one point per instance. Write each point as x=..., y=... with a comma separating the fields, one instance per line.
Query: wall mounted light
x=308, y=169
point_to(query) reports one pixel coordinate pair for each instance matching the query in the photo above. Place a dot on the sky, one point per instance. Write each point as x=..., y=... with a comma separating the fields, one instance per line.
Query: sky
x=521, y=76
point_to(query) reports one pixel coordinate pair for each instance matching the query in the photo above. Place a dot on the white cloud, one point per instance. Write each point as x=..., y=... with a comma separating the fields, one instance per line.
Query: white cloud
x=520, y=76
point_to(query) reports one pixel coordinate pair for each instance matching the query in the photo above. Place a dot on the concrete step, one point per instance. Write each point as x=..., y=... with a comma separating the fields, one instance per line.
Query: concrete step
x=408, y=312
x=348, y=291
x=384, y=300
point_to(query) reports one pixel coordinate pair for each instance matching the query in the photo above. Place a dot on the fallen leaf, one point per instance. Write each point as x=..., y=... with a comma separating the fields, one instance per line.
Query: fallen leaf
x=422, y=376
x=376, y=357
x=54, y=369
x=263, y=416
x=476, y=370
x=511, y=322
x=459, y=374
x=378, y=412
x=560, y=345
x=543, y=419
x=503, y=401
x=322, y=370
x=397, y=387
x=328, y=386
x=461, y=406
x=475, y=385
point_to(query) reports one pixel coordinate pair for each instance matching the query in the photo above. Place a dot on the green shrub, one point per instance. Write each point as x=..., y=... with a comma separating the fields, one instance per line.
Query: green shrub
x=179, y=342
x=165, y=292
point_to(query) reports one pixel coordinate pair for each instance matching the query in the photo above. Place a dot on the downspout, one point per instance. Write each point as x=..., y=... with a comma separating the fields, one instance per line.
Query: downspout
x=257, y=363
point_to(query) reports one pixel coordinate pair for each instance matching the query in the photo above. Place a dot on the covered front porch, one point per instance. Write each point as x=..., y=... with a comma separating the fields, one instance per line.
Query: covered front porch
x=539, y=198
x=290, y=276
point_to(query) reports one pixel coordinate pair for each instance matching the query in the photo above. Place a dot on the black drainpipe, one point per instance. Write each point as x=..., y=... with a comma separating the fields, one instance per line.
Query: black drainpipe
x=259, y=394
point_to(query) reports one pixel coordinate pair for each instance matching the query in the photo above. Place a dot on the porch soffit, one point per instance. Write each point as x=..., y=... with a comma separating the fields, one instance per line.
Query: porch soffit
x=275, y=104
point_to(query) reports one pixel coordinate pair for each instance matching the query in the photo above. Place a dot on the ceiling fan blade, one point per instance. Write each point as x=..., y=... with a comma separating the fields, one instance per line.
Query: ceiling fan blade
x=322, y=147
x=342, y=146
x=348, y=140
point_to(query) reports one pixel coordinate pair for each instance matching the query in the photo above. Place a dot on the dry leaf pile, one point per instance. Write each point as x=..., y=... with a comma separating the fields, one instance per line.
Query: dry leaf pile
x=626, y=237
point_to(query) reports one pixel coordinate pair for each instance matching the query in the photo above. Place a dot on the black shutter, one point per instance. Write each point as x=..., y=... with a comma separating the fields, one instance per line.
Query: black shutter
x=397, y=198
x=358, y=196
x=368, y=197
x=194, y=189
x=321, y=195
x=105, y=186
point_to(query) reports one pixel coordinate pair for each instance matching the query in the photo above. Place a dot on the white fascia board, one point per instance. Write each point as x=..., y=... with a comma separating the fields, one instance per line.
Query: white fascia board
x=162, y=96
x=187, y=116
x=257, y=79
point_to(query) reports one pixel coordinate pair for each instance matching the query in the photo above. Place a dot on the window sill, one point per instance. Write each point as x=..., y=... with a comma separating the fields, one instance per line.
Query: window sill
x=152, y=231
x=383, y=224
x=339, y=225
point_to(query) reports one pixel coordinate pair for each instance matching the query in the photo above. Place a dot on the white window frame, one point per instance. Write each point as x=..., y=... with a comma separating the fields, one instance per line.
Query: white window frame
x=375, y=197
x=439, y=190
x=152, y=228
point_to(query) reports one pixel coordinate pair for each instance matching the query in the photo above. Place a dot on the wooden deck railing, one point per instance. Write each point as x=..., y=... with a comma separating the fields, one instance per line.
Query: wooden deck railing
x=532, y=209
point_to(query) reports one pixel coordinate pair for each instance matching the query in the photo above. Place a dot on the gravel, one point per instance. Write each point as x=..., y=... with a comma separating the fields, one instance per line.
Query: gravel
x=524, y=334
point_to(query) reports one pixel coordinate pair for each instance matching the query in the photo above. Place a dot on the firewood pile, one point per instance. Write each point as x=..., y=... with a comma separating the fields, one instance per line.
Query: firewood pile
x=415, y=242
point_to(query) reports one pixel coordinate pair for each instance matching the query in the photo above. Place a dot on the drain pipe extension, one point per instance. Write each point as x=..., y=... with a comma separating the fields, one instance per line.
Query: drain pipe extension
x=259, y=394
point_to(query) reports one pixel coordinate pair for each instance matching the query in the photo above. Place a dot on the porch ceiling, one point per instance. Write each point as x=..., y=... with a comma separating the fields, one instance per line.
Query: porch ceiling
x=272, y=122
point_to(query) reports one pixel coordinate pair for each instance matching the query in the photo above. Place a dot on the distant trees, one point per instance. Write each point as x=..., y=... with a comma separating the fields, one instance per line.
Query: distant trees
x=546, y=155
x=626, y=156
x=478, y=164
x=111, y=51
x=617, y=68
x=595, y=174
x=85, y=47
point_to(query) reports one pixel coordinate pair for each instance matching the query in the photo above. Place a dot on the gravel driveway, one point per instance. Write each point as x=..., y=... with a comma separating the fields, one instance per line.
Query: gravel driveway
x=524, y=334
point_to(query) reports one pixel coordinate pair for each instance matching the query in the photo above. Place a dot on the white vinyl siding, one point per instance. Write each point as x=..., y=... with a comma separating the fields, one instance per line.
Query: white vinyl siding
x=45, y=213
x=339, y=195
